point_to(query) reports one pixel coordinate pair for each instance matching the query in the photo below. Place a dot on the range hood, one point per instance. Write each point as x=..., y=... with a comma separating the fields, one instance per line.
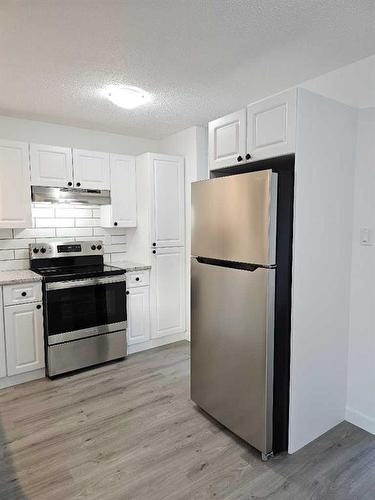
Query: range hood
x=70, y=195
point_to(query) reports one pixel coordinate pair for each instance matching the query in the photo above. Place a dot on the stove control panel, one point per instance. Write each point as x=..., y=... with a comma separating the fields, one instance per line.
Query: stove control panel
x=65, y=249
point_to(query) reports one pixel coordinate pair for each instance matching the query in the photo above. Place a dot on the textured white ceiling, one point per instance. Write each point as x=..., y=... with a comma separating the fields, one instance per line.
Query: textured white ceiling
x=200, y=58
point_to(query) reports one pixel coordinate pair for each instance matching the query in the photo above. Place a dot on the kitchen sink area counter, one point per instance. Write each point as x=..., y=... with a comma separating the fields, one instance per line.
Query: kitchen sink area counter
x=18, y=276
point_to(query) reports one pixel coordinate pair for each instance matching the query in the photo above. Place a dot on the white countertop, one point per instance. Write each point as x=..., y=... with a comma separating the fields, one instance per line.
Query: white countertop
x=131, y=266
x=21, y=276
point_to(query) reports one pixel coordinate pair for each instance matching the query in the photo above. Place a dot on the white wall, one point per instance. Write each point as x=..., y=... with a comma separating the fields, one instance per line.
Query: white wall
x=61, y=135
x=192, y=144
x=361, y=375
x=324, y=177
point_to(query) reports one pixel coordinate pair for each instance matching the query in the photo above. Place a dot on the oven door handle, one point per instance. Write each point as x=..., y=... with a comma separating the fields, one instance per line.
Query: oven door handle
x=60, y=285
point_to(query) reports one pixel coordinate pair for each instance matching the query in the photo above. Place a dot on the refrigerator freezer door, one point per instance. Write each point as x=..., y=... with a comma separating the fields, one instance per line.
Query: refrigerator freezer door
x=232, y=349
x=234, y=218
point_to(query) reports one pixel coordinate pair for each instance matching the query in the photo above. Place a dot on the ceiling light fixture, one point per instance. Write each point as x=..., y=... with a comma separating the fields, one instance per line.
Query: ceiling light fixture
x=126, y=96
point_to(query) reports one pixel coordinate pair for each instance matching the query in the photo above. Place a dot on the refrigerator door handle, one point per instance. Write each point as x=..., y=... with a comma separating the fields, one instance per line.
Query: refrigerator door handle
x=243, y=266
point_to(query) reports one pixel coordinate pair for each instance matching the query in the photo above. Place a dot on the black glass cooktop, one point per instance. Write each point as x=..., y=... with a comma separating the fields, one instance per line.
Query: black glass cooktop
x=77, y=272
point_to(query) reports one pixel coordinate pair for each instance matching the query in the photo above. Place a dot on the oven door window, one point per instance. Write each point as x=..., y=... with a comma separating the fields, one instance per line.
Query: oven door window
x=72, y=309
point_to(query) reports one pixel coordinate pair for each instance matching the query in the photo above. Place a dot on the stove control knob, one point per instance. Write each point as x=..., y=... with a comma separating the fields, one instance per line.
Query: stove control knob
x=36, y=250
x=43, y=250
x=99, y=247
x=93, y=247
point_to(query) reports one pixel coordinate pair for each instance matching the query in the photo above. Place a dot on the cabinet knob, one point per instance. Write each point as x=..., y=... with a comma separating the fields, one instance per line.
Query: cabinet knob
x=78, y=184
x=154, y=251
x=70, y=183
x=248, y=156
x=136, y=279
x=154, y=244
x=115, y=223
x=239, y=158
x=127, y=292
x=38, y=306
x=23, y=294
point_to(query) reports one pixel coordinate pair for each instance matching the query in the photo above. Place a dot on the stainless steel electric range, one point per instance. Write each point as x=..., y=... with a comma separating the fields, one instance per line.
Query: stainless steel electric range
x=84, y=305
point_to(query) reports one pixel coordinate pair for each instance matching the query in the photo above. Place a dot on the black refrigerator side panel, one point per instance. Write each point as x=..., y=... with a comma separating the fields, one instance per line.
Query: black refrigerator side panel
x=284, y=241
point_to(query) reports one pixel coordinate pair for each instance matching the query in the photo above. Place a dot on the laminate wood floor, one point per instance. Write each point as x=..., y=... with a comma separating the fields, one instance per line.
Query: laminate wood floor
x=129, y=431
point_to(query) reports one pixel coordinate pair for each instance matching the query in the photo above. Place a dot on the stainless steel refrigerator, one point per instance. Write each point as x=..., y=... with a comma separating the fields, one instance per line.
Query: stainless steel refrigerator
x=233, y=268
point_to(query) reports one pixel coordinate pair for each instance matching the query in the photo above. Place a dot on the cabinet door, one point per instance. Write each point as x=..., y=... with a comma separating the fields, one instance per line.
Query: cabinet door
x=123, y=209
x=24, y=337
x=91, y=169
x=271, y=126
x=168, y=212
x=227, y=140
x=3, y=369
x=51, y=166
x=138, y=308
x=168, y=292
x=15, y=194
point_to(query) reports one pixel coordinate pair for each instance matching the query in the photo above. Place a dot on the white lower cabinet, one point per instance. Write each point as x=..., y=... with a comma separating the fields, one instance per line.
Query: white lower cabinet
x=138, y=309
x=168, y=292
x=24, y=337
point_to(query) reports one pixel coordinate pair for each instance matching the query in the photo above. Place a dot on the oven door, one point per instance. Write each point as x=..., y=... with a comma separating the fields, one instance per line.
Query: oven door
x=83, y=308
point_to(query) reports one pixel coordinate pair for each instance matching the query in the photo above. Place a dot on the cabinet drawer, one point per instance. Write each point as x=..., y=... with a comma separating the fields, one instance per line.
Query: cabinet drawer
x=22, y=293
x=137, y=278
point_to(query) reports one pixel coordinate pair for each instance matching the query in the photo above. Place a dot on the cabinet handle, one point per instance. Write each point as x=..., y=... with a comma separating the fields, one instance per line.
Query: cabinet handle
x=127, y=292
x=78, y=184
x=154, y=251
x=115, y=223
x=38, y=306
x=248, y=156
x=70, y=183
x=23, y=294
x=239, y=158
x=136, y=279
x=154, y=244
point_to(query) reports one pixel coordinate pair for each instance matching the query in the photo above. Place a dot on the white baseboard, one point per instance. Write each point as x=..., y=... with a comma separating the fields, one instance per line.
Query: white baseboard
x=22, y=378
x=361, y=420
x=150, y=344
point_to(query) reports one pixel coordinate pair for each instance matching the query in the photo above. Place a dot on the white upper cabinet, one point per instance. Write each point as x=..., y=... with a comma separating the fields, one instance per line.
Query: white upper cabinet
x=168, y=296
x=51, y=166
x=15, y=195
x=227, y=139
x=123, y=209
x=24, y=337
x=271, y=126
x=266, y=130
x=168, y=213
x=91, y=169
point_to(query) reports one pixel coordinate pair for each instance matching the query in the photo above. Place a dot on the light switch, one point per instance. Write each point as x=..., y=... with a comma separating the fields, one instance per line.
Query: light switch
x=366, y=236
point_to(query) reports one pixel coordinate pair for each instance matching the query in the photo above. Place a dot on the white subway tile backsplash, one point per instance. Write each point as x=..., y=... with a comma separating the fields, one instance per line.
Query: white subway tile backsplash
x=15, y=243
x=68, y=232
x=100, y=231
x=60, y=222
x=116, y=248
x=35, y=233
x=118, y=239
x=5, y=233
x=73, y=212
x=6, y=254
x=87, y=222
x=54, y=222
x=22, y=253
x=13, y=265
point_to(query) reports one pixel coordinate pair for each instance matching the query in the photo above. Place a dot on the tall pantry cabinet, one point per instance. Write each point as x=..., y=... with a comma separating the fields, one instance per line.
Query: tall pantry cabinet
x=159, y=239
